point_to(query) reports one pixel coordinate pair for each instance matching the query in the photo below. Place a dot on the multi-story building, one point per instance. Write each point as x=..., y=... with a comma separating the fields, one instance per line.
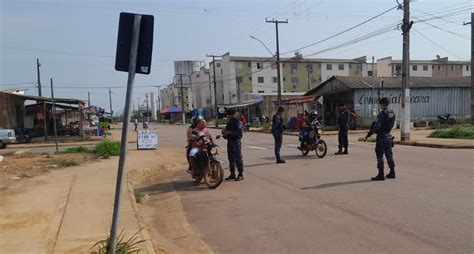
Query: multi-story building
x=440, y=67
x=202, y=89
x=259, y=74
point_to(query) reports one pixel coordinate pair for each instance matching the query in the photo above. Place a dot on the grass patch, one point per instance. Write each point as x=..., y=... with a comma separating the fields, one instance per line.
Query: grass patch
x=138, y=196
x=77, y=149
x=107, y=148
x=460, y=132
x=123, y=246
x=8, y=154
x=64, y=163
x=371, y=139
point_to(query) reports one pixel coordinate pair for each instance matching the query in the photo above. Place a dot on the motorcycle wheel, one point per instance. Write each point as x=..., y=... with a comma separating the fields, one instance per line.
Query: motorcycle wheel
x=451, y=121
x=321, y=149
x=214, y=175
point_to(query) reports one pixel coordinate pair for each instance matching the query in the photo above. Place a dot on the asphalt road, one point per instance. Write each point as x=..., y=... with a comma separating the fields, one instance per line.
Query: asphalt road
x=329, y=205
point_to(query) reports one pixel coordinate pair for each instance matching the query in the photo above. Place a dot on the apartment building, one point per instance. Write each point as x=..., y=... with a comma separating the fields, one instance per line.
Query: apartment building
x=202, y=89
x=242, y=74
x=439, y=67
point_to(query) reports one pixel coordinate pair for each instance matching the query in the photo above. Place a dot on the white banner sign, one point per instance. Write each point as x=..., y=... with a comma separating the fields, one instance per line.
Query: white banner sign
x=147, y=139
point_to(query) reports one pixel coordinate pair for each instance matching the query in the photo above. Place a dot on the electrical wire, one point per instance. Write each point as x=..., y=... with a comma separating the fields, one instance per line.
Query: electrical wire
x=463, y=36
x=435, y=44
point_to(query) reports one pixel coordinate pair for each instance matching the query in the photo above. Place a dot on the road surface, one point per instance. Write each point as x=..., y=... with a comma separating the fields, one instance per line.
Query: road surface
x=329, y=205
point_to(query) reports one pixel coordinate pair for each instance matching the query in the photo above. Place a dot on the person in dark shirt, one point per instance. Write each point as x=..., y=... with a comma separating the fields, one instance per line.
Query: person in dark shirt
x=277, y=130
x=233, y=134
x=384, y=142
x=343, y=125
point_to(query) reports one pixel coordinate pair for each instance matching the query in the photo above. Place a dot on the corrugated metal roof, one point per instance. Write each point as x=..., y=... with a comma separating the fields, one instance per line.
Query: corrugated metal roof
x=395, y=82
x=38, y=98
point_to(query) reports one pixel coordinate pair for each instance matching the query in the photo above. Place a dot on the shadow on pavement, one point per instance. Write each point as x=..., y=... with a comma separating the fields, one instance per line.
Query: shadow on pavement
x=330, y=185
x=178, y=185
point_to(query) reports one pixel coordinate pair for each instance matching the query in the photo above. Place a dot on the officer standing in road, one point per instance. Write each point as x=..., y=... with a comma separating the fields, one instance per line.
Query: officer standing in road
x=277, y=131
x=233, y=134
x=382, y=127
x=343, y=124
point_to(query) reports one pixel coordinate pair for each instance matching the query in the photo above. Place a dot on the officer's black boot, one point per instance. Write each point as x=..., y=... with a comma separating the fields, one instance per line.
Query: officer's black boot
x=230, y=177
x=240, y=177
x=280, y=161
x=391, y=174
x=379, y=177
x=339, y=152
x=346, y=151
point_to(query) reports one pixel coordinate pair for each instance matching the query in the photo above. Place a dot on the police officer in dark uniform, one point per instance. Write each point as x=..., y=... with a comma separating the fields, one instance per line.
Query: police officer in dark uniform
x=277, y=131
x=233, y=134
x=343, y=124
x=382, y=127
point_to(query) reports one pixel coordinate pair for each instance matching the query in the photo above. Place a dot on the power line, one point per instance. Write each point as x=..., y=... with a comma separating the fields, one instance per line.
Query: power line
x=435, y=44
x=463, y=36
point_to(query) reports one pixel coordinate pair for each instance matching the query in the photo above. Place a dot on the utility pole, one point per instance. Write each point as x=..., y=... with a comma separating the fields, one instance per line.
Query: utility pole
x=216, y=113
x=472, y=64
x=88, y=99
x=210, y=95
x=159, y=102
x=39, y=78
x=146, y=99
x=278, y=55
x=374, y=113
x=111, y=110
x=405, y=112
x=54, y=116
x=308, y=66
x=183, y=113
x=238, y=92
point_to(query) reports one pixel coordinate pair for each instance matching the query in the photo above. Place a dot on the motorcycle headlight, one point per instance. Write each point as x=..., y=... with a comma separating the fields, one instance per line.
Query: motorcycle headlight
x=214, y=151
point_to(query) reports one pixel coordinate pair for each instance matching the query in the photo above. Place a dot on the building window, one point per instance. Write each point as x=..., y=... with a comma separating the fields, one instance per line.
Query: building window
x=197, y=75
x=294, y=66
x=284, y=65
x=452, y=67
x=414, y=67
x=260, y=80
x=467, y=67
x=259, y=66
x=250, y=78
x=341, y=67
x=439, y=67
x=239, y=79
x=398, y=68
x=294, y=80
x=222, y=72
x=369, y=73
x=275, y=80
x=359, y=67
x=249, y=65
x=218, y=65
x=260, y=91
x=284, y=79
x=328, y=66
x=425, y=67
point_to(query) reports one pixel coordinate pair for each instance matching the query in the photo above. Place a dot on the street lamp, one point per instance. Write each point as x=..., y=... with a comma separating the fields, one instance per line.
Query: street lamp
x=253, y=37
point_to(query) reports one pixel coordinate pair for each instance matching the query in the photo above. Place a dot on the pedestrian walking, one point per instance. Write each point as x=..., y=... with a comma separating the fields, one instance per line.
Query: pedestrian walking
x=135, y=122
x=343, y=125
x=277, y=130
x=233, y=134
x=145, y=123
x=384, y=142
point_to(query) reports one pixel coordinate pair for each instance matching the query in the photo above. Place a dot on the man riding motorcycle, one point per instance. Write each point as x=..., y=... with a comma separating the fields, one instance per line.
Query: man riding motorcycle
x=197, y=146
x=307, y=128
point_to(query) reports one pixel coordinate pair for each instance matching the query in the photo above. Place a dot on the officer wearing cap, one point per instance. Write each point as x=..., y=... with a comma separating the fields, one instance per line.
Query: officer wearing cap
x=382, y=127
x=277, y=131
x=233, y=133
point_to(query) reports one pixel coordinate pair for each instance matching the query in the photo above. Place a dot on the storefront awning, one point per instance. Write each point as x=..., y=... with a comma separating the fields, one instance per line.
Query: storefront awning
x=296, y=100
x=241, y=105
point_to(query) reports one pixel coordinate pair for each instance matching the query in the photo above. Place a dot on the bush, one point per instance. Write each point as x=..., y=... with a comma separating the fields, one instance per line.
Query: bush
x=107, y=148
x=65, y=163
x=77, y=149
x=132, y=245
x=456, y=133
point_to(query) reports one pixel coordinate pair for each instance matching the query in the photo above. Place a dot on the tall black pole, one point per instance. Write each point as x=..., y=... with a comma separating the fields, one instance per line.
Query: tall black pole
x=216, y=112
x=112, y=244
x=89, y=99
x=405, y=113
x=39, y=77
x=110, y=102
x=278, y=56
x=54, y=116
x=147, y=110
x=183, y=113
x=472, y=64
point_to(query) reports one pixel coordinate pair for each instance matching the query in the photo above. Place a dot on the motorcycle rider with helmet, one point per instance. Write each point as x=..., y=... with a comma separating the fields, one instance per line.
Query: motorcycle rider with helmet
x=307, y=128
x=197, y=146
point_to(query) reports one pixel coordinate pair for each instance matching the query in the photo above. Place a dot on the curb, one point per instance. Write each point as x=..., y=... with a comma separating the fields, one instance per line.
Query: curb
x=414, y=143
x=22, y=146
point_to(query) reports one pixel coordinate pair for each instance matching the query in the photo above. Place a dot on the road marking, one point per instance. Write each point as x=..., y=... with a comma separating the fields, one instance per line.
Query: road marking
x=257, y=147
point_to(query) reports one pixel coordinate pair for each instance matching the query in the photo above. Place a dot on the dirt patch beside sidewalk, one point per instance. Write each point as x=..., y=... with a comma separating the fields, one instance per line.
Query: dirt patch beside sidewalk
x=28, y=165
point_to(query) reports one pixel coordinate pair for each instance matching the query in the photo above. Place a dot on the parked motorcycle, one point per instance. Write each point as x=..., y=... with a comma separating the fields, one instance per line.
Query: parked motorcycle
x=314, y=142
x=207, y=166
x=447, y=118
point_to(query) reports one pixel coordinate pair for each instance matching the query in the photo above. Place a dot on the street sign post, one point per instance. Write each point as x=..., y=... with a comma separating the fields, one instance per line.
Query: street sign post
x=134, y=52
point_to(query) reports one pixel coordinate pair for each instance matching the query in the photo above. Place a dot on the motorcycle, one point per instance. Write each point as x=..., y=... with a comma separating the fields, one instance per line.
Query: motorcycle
x=207, y=166
x=447, y=118
x=314, y=141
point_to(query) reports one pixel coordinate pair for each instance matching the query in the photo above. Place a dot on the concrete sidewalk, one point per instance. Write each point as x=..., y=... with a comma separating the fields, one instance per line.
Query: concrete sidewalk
x=68, y=210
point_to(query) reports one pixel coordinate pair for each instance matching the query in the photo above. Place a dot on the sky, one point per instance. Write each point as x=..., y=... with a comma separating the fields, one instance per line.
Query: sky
x=75, y=40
